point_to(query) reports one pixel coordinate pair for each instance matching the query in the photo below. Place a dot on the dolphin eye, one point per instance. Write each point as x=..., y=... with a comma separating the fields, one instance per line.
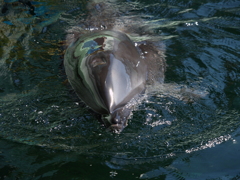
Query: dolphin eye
x=98, y=61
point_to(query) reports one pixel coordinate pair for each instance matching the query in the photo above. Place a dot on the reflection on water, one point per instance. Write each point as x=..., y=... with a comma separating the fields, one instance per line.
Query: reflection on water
x=187, y=128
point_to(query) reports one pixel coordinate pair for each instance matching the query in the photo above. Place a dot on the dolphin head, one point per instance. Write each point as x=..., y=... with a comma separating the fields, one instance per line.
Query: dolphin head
x=106, y=71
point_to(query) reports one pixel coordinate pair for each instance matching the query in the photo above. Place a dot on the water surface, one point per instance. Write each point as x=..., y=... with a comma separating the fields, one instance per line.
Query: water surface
x=187, y=128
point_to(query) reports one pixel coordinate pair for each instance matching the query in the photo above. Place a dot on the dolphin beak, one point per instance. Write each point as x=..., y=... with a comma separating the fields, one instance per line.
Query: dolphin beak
x=117, y=120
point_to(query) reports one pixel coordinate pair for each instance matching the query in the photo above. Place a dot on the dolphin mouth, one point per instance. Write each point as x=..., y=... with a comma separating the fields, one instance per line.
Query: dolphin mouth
x=116, y=128
x=117, y=120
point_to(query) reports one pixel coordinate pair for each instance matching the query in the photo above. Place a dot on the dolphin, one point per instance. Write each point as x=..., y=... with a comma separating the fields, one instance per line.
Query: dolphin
x=108, y=71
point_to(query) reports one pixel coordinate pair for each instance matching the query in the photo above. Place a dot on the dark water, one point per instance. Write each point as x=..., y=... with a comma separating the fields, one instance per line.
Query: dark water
x=188, y=128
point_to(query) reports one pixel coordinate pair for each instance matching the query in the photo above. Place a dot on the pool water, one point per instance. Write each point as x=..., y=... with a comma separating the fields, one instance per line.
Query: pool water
x=187, y=128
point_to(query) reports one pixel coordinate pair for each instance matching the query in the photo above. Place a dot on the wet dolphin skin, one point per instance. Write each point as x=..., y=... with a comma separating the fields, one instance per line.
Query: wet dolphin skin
x=107, y=72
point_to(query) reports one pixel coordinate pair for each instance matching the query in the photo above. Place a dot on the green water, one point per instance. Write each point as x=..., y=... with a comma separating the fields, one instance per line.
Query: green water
x=188, y=128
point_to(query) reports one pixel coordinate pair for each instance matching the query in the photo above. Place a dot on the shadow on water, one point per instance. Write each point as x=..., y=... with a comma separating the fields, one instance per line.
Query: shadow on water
x=187, y=128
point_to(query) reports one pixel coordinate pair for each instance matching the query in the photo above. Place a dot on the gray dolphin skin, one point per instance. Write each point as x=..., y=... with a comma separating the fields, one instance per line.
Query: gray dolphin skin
x=106, y=71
